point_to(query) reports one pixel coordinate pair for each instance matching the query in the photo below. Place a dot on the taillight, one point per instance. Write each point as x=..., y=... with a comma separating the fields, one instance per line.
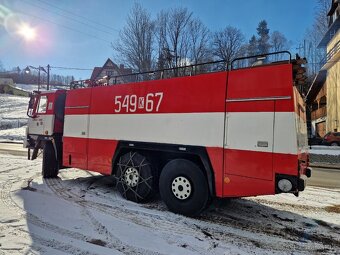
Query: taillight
x=326, y=137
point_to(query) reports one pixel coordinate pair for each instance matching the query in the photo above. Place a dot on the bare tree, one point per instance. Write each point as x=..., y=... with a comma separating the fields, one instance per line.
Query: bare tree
x=173, y=37
x=198, y=42
x=164, y=54
x=278, y=42
x=227, y=43
x=321, y=22
x=313, y=36
x=135, y=44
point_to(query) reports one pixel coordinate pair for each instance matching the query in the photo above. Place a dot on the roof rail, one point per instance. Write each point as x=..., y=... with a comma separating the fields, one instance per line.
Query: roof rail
x=187, y=70
x=261, y=56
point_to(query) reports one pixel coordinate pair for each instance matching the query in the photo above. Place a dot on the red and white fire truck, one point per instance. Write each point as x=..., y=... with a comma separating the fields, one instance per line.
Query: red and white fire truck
x=232, y=133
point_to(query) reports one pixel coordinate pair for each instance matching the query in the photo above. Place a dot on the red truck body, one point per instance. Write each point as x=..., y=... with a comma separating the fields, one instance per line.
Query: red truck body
x=245, y=129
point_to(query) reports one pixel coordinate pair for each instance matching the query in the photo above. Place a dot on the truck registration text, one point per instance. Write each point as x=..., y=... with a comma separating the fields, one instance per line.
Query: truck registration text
x=131, y=103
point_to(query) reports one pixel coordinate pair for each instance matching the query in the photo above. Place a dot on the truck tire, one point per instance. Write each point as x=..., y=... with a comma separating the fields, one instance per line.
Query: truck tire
x=135, y=177
x=50, y=163
x=183, y=187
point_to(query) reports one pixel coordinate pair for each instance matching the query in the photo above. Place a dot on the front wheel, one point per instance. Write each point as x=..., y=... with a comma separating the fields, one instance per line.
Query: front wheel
x=334, y=144
x=183, y=187
x=50, y=163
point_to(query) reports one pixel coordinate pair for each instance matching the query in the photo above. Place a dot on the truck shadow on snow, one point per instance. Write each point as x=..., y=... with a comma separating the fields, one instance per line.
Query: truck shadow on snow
x=96, y=194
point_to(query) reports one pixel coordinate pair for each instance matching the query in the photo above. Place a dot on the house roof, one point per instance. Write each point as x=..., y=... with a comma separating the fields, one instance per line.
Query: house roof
x=333, y=7
x=316, y=86
x=108, y=65
x=96, y=71
x=333, y=28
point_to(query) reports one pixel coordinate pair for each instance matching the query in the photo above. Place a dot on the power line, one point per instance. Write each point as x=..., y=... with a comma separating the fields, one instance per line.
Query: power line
x=77, y=15
x=75, y=30
x=72, y=68
x=71, y=18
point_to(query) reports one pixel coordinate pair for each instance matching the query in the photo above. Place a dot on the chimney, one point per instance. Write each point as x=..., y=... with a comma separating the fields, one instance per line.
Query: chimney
x=121, y=66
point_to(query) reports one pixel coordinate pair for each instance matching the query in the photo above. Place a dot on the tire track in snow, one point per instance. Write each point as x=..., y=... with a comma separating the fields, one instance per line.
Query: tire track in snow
x=5, y=198
x=180, y=225
x=112, y=241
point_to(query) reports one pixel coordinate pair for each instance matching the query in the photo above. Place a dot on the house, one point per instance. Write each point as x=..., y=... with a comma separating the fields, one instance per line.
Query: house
x=323, y=96
x=106, y=74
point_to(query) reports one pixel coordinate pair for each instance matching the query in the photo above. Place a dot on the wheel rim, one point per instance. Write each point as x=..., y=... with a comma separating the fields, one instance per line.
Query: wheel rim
x=181, y=188
x=131, y=177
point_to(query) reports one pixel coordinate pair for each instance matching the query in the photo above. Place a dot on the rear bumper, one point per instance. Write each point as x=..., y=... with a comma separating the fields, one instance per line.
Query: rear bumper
x=292, y=183
x=301, y=184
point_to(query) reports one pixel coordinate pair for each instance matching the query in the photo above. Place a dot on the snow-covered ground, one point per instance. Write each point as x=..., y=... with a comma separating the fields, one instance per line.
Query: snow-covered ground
x=27, y=87
x=325, y=150
x=13, y=106
x=13, y=117
x=81, y=213
x=16, y=135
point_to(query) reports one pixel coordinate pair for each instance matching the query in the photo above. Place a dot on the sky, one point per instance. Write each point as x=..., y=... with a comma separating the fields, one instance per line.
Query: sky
x=79, y=33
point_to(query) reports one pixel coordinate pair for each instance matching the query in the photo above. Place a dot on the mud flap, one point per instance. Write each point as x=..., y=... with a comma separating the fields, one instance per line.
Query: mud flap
x=36, y=150
x=55, y=149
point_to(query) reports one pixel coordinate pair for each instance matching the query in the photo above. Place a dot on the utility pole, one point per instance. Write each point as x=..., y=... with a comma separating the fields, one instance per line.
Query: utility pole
x=39, y=78
x=48, y=77
x=302, y=48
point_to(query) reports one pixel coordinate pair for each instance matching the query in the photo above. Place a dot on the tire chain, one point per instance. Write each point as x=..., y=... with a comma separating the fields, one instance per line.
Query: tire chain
x=120, y=179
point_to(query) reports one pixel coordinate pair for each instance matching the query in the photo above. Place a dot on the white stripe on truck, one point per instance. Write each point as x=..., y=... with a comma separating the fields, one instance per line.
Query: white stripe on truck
x=244, y=129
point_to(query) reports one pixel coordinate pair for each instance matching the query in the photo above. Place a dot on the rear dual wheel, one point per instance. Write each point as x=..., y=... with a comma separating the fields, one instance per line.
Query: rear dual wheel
x=182, y=184
x=183, y=187
x=135, y=177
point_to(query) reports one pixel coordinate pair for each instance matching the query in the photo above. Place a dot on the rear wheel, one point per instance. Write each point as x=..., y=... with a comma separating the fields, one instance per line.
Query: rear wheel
x=183, y=187
x=135, y=177
x=50, y=163
x=334, y=144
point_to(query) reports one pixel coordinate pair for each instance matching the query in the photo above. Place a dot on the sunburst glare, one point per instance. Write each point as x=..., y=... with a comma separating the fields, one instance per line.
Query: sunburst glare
x=27, y=32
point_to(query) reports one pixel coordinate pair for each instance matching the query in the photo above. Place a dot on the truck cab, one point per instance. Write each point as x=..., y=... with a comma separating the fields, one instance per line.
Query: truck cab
x=46, y=121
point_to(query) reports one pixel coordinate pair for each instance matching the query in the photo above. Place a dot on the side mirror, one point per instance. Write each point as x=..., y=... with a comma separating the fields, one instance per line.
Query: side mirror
x=30, y=109
x=31, y=103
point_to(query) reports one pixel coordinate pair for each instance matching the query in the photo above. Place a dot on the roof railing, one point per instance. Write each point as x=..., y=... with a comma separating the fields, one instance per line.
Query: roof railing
x=188, y=70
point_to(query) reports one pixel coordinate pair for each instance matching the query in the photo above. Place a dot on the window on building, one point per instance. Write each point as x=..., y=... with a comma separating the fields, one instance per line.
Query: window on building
x=323, y=101
x=315, y=106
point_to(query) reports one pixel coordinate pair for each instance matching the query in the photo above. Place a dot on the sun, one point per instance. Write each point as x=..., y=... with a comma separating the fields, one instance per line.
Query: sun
x=27, y=32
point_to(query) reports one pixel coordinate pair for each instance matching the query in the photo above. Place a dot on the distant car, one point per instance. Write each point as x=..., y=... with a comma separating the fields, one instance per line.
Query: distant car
x=332, y=139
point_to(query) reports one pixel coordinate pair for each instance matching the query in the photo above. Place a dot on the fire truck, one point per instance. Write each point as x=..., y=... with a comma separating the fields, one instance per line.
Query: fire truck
x=203, y=133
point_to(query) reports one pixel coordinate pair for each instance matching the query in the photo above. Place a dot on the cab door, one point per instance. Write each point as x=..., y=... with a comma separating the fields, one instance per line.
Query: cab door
x=41, y=121
x=76, y=128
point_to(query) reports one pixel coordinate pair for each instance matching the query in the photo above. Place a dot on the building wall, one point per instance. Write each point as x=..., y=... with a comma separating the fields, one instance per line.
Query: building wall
x=333, y=89
x=319, y=114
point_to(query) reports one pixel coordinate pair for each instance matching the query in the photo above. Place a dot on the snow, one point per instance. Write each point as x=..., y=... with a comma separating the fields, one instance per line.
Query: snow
x=27, y=87
x=81, y=213
x=13, y=135
x=325, y=150
x=13, y=106
x=13, y=118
